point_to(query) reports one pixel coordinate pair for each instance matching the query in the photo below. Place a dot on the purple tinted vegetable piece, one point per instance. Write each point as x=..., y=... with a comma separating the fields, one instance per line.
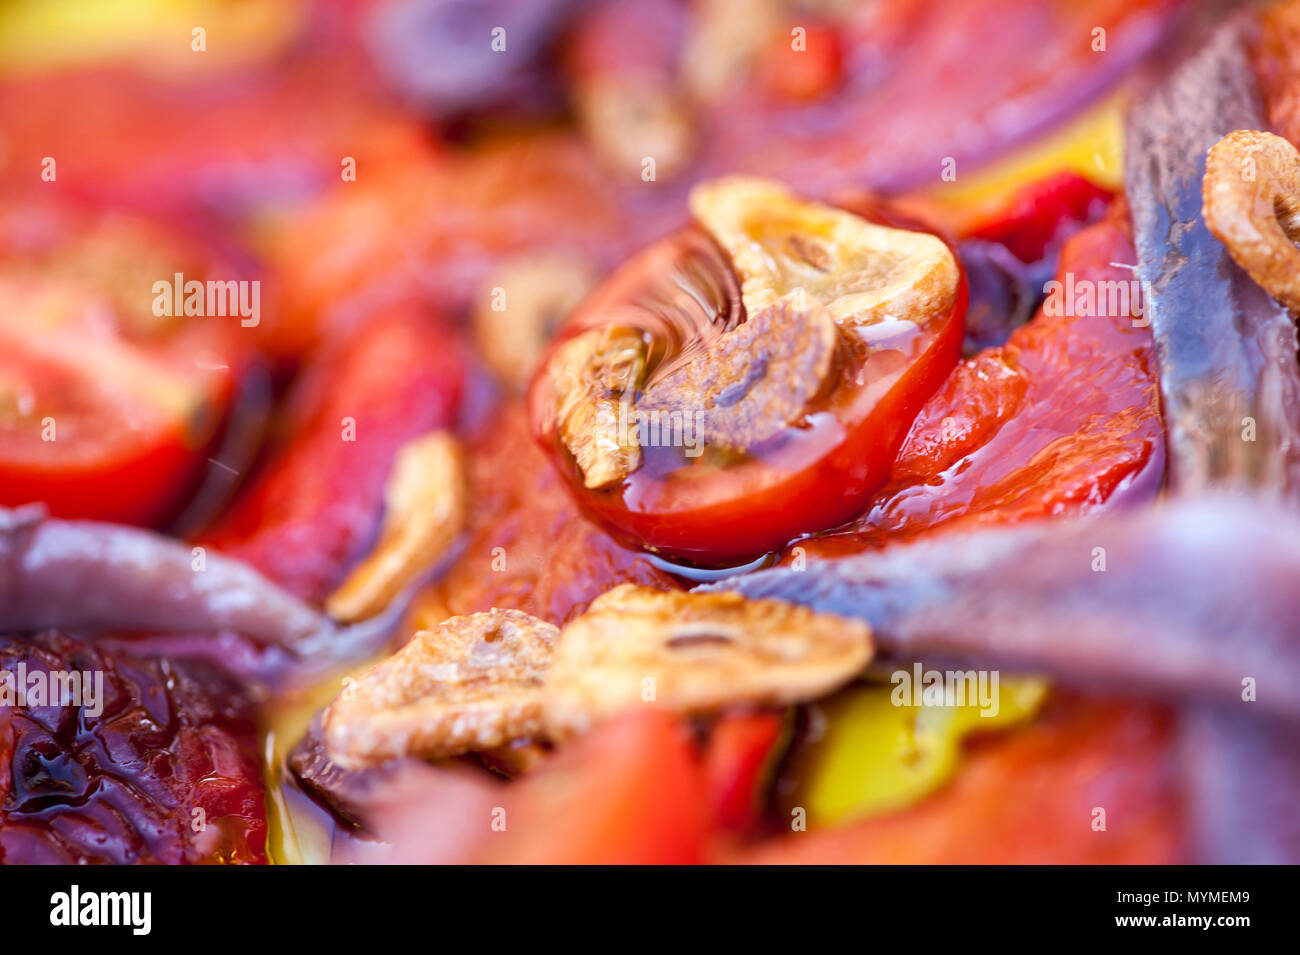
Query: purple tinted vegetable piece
x=116, y=773
x=448, y=57
x=1004, y=292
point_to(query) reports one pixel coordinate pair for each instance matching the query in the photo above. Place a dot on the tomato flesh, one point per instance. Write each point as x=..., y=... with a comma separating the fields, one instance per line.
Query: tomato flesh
x=106, y=407
x=84, y=450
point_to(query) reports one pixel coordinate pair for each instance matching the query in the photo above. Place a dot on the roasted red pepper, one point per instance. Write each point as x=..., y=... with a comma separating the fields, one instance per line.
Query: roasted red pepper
x=529, y=549
x=156, y=764
x=1043, y=213
x=630, y=793
x=308, y=515
x=1059, y=420
x=739, y=761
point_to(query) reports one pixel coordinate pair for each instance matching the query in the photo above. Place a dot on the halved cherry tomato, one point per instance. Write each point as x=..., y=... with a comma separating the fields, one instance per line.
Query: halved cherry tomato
x=105, y=407
x=307, y=516
x=94, y=429
x=816, y=477
x=629, y=793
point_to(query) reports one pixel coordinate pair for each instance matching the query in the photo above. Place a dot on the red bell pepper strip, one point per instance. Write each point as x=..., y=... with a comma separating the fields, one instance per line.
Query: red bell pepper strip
x=629, y=793
x=313, y=509
x=738, y=764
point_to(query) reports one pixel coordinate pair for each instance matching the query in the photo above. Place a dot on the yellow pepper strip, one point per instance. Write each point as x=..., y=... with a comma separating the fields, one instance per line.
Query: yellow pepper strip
x=37, y=35
x=875, y=757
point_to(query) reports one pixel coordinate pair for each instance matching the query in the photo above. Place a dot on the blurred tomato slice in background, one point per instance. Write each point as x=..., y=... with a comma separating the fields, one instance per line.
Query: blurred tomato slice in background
x=108, y=397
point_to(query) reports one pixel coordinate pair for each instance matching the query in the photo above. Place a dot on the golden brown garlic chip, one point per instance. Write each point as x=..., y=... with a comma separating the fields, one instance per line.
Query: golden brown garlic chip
x=723, y=38
x=631, y=119
x=470, y=684
x=427, y=502
x=539, y=291
x=1251, y=196
x=862, y=273
x=638, y=646
x=595, y=377
x=807, y=272
x=751, y=383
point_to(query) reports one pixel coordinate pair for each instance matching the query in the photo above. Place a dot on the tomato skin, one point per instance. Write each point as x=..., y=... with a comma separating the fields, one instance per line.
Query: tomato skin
x=631, y=792
x=760, y=506
x=313, y=508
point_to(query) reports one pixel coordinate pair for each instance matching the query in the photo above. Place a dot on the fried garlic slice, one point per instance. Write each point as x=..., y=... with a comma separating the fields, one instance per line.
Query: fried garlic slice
x=1251, y=202
x=539, y=292
x=751, y=383
x=629, y=119
x=695, y=653
x=471, y=684
x=595, y=376
x=723, y=39
x=426, y=505
x=862, y=273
